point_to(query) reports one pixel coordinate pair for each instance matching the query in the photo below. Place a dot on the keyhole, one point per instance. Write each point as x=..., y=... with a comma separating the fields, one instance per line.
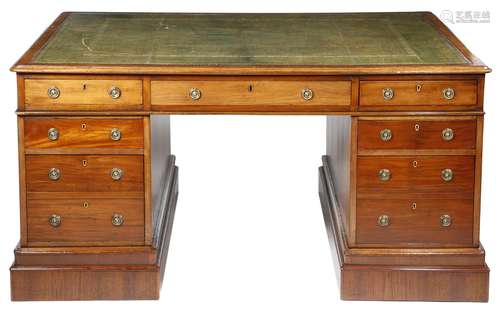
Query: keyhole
x=84, y=86
x=419, y=87
x=414, y=163
x=85, y=204
x=250, y=88
x=84, y=163
x=414, y=206
x=83, y=126
x=417, y=127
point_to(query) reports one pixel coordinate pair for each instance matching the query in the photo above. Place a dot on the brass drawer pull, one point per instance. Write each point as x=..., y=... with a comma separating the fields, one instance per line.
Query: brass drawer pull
x=383, y=220
x=447, y=134
x=447, y=174
x=54, y=174
x=53, y=92
x=388, y=93
x=117, y=219
x=116, y=173
x=445, y=220
x=384, y=174
x=55, y=220
x=307, y=94
x=195, y=93
x=386, y=134
x=115, y=134
x=115, y=92
x=53, y=134
x=448, y=93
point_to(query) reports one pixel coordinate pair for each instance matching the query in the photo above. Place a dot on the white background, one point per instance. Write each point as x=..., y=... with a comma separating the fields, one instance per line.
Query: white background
x=248, y=233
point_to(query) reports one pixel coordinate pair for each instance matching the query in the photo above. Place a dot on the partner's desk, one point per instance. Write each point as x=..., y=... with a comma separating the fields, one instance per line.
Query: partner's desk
x=400, y=185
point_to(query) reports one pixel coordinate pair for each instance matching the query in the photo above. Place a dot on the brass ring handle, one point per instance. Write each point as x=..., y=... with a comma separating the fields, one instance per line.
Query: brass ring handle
x=115, y=134
x=386, y=134
x=445, y=220
x=384, y=174
x=383, y=220
x=448, y=93
x=117, y=219
x=54, y=173
x=447, y=174
x=53, y=92
x=115, y=92
x=53, y=134
x=388, y=93
x=307, y=94
x=447, y=134
x=55, y=220
x=195, y=93
x=116, y=173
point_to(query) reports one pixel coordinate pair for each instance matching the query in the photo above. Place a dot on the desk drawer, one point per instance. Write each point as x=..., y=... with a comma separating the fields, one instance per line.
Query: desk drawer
x=405, y=95
x=418, y=176
x=82, y=94
x=415, y=221
x=276, y=93
x=416, y=134
x=85, y=221
x=57, y=133
x=84, y=173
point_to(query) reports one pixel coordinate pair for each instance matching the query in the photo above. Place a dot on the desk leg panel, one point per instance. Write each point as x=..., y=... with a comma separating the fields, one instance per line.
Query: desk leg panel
x=99, y=273
x=413, y=274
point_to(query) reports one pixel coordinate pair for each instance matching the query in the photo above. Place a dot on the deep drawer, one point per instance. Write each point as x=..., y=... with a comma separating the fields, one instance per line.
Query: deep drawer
x=85, y=221
x=84, y=173
x=416, y=221
x=416, y=134
x=56, y=133
x=419, y=176
x=247, y=93
x=82, y=94
x=404, y=95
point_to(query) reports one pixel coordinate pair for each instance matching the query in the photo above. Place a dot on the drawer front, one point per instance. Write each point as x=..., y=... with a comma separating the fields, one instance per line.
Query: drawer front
x=415, y=221
x=416, y=134
x=419, y=176
x=80, y=221
x=403, y=95
x=82, y=94
x=251, y=93
x=83, y=173
x=54, y=133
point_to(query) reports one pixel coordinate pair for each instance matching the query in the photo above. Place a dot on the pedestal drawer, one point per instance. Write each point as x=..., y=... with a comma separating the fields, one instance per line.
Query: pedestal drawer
x=417, y=134
x=85, y=221
x=415, y=221
x=78, y=133
x=417, y=176
x=84, y=173
x=429, y=94
x=82, y=94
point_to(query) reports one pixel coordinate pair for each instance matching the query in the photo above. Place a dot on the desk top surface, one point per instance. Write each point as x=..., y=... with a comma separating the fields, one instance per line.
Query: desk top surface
x=327, y=41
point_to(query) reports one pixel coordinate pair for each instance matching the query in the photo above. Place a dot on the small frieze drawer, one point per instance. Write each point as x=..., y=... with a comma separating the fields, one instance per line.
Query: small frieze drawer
x=428, y=94
x=417, y=134
x=82, y=94
x=79, y=221
x=80, y=133
x=84, y=173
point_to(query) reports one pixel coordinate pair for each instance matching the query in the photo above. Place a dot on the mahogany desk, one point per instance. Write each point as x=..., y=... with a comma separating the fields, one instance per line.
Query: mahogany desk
x=400, y=185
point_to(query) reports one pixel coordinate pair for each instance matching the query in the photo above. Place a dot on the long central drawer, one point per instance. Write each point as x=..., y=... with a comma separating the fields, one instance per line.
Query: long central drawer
x=171, y=94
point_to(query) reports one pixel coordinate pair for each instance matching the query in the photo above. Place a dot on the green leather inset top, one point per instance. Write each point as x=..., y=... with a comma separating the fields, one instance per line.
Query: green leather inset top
x=248, y=39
